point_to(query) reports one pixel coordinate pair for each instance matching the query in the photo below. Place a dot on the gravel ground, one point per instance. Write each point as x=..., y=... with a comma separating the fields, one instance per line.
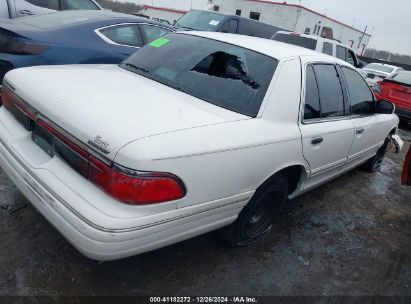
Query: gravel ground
x=349, y=237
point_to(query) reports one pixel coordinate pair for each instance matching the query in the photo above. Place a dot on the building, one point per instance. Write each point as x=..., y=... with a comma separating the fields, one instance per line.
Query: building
x=292, y=17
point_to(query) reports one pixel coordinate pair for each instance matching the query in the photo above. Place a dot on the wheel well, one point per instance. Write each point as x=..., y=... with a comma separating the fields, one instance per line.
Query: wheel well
x=293, y=175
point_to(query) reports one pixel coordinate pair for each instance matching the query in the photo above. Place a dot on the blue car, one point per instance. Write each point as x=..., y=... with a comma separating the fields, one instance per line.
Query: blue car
x=73, y=37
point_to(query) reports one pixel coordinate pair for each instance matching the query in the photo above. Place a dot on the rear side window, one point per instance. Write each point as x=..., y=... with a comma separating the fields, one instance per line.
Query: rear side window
x=330, y=91
x=328, y=48
x=305, y=42
x=127, y=35
x=50, y=4
x=225, y=75
x=360, y=96
x=312, y=98
x=341, y=52
x=152, y=32
x=81, y=5
x=229, y=27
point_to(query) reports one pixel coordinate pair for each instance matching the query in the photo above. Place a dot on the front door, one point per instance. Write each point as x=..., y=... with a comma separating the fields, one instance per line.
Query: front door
x=370, y=128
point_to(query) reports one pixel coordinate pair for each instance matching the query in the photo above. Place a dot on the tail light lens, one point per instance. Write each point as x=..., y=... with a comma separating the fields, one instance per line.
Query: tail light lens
x=19, y=46
x=133, y=187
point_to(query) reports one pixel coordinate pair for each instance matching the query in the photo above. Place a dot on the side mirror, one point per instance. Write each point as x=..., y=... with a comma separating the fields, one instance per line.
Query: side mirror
x=174, y=22
x=384, y=107
x=360, y=65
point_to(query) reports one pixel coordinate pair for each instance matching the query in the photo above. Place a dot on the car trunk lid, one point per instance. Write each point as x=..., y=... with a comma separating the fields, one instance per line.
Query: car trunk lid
x=106, y=107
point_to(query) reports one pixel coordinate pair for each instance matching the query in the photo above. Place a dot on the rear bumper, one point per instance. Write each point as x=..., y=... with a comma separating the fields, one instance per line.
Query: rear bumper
x=98, y=235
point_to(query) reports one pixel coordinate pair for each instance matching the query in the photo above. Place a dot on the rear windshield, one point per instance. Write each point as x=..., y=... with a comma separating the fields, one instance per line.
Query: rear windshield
x=379, y=67
x=305, y=42
x=225, y=75
x=401, y=77
x=200, y=21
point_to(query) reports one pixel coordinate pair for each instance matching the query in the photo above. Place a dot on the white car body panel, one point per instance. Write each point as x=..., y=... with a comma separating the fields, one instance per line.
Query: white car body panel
x=221, y=156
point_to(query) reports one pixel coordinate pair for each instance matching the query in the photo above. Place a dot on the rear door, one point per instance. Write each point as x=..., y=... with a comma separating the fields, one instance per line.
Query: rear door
x=370, y=128
x=33, y=7
x=327, y=133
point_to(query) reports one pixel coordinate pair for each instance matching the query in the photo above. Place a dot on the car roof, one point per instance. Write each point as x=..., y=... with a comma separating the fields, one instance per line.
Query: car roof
x=278, y=50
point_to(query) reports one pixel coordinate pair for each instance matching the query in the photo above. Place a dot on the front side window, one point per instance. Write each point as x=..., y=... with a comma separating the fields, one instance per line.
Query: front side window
x=328, y=48
x=360, y=96
x=127, y=35
x=50, y=4
x=312, y=108
x=81, y=5
x=330, y=90
x=225, y=75
x=152, y=32
x=341, y=52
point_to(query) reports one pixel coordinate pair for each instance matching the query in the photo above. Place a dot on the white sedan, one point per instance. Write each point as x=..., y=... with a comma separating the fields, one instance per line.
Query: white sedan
x=195, y=132
x=375, y=72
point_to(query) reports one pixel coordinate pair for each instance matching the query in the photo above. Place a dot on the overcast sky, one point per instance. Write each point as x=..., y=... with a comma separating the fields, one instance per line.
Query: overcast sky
x=388, y=21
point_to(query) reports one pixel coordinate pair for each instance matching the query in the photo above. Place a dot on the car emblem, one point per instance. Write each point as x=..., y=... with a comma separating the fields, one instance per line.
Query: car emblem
x=100, y=144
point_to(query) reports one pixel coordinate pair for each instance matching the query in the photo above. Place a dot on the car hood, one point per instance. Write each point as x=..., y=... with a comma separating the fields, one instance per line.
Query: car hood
x=107, y=105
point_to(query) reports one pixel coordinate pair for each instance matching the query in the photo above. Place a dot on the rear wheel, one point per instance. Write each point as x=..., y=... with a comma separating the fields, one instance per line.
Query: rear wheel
x=374, y=164
x=255, y=220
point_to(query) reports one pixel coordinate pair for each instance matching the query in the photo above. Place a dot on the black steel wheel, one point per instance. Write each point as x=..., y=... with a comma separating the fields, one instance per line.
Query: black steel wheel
x=256, y=219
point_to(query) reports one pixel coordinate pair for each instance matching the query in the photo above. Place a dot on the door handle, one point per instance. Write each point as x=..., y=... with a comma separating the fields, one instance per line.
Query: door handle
x=26, y=12
x=359, y=131
x=317, y=140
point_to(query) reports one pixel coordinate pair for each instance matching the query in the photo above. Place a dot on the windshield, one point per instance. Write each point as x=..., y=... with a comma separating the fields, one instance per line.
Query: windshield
x=305, y=42
x=200, y=21
x=225, y=75
x=401, y=77
x=379, y=67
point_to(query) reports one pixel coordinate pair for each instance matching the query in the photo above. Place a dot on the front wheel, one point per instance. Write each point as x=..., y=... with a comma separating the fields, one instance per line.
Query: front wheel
x=374, y=164
x=255, y=220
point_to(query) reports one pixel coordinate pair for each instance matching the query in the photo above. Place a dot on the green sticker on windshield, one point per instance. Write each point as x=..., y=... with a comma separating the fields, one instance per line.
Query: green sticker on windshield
x=159, y=42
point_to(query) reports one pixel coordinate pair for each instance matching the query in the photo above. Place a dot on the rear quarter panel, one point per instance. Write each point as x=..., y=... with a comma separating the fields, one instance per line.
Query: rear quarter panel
x=226, y=159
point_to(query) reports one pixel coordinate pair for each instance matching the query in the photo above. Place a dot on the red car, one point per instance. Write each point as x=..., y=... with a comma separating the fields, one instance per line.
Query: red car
x=396, y=89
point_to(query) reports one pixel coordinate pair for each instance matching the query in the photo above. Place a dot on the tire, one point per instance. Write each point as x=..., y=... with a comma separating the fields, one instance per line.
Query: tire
x=374, y=164
x=255, y=220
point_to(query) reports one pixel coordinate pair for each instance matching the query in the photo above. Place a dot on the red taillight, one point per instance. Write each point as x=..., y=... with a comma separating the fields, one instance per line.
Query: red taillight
x=18, y=46
x=135, y=187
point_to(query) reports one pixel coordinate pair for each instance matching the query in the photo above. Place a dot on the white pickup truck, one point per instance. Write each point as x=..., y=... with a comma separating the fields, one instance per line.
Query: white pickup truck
x=10, y=9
